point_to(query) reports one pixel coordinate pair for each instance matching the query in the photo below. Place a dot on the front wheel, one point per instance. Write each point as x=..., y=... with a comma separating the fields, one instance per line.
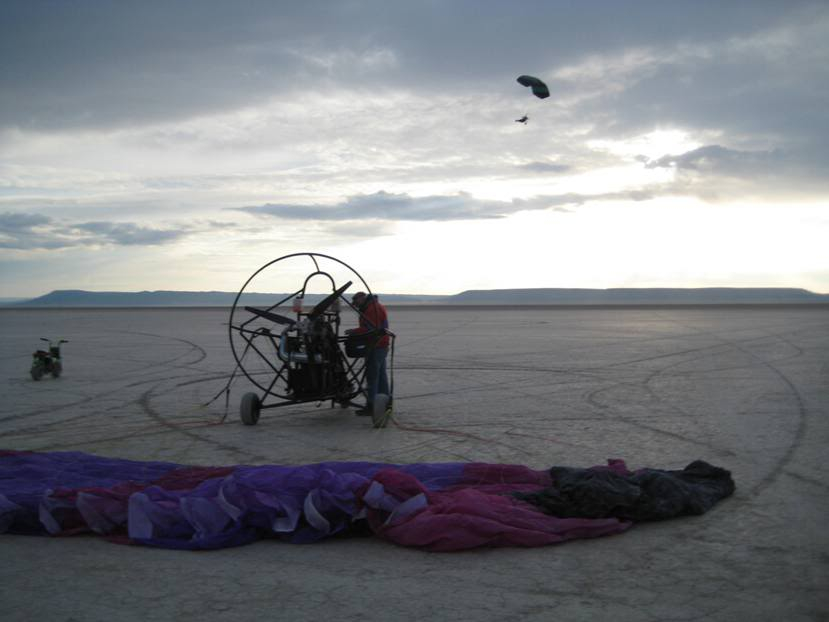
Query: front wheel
x=57, y=368
x=250, y=408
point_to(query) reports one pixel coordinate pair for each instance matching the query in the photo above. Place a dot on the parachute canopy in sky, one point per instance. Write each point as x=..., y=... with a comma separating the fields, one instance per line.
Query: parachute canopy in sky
x=539, y=88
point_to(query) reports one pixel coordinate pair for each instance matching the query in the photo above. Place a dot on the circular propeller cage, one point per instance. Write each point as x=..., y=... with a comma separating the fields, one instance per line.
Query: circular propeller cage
x=270, y=332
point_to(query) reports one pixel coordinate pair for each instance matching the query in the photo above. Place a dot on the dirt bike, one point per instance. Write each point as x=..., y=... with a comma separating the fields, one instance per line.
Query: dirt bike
x=47, y=361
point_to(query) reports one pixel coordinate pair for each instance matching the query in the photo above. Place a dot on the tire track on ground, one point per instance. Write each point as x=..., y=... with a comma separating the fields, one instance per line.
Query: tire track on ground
x=723, y=343
x=188, y=429
x=642, y=384
x=144, y=401
x=103, y=394
x=802, y=412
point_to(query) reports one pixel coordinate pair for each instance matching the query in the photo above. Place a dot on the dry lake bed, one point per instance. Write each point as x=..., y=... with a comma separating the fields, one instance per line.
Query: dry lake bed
x=743, y=388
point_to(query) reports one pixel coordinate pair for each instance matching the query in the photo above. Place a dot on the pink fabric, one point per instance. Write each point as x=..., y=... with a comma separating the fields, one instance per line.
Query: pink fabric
x=470, y=516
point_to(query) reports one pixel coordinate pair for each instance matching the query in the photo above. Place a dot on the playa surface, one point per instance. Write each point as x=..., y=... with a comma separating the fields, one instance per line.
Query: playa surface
x=743, y=388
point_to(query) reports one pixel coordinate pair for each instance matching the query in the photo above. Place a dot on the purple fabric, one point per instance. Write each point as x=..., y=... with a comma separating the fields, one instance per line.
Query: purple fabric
x=29, y=480
x=435, y=506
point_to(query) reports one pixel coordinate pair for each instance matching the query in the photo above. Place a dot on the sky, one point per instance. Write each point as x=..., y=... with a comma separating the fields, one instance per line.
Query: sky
x=182, y=145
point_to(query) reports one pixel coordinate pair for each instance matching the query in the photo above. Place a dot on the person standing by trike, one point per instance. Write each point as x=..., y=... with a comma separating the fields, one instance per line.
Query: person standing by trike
x=373, y=321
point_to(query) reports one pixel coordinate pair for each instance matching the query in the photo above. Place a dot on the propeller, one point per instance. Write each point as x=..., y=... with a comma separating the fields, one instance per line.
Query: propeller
x=323, y=304
x=273, y=317
x=316, y=312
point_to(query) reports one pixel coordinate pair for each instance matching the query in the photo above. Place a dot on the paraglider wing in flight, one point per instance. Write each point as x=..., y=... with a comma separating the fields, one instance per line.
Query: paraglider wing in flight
x=539, y=88
x=523, y=120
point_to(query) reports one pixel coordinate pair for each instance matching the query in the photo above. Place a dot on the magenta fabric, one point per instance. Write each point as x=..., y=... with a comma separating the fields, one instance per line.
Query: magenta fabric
x=434, y=506
x=468, y=517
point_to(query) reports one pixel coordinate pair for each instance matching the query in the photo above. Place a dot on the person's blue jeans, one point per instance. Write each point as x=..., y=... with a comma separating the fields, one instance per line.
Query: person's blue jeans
x=376, y=379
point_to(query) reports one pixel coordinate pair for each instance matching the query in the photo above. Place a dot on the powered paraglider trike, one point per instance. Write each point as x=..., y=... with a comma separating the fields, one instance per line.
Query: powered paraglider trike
x=302, y=357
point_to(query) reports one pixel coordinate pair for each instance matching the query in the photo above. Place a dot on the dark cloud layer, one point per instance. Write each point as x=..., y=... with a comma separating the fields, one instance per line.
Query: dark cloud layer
x=18, y=222
x=21, y=231
x=127, y=234
x=389, y=206
x=90, y=63
x=750, y=71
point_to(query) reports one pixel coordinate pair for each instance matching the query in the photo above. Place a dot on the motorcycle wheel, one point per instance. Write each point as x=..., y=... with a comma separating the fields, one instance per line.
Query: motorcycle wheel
x=37, y=372
x=57, y=368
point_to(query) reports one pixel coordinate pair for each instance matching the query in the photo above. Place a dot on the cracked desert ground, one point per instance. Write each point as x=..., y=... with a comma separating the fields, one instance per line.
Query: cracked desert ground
x=743, y=388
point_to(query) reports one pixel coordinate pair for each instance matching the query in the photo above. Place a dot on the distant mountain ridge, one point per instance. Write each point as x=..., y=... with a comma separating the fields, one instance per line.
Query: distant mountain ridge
x=533, y=296
x=639, y=296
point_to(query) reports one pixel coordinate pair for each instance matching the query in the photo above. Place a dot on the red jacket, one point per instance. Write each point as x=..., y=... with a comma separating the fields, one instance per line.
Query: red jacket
x=373, y=317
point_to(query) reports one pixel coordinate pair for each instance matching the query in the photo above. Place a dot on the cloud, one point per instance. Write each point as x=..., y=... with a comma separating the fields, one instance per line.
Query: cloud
x=760, y=91
x=721, y=160
x=350, y=85
x=715, y=172
x=388, y=206
x=545, y=167
x=92, y=64
x=16, y=222
x=22, y=231
x=125, y=234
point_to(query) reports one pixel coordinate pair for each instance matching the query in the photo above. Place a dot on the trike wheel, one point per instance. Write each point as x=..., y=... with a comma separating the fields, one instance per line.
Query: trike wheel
x=250, y=408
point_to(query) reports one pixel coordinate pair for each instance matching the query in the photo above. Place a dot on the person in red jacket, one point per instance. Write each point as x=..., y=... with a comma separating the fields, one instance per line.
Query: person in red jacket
x=373, y=319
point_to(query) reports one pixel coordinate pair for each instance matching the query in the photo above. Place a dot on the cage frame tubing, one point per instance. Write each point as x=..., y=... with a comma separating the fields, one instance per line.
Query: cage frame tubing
x=313, y=257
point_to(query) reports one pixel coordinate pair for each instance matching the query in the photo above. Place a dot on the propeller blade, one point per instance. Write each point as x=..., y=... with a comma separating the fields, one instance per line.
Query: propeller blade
x=323, y=304
x=273, y=317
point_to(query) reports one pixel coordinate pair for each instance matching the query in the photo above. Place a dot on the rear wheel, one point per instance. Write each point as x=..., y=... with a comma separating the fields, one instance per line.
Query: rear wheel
x=250, y=408
x=381, y=411
x=37, y=372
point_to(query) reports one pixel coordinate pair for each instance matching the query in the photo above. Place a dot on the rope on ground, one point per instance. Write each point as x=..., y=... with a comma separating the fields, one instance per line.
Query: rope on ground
x=449, y=432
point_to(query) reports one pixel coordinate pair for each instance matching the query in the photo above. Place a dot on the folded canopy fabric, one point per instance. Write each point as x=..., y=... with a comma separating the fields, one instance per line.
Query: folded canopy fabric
x=434, y=506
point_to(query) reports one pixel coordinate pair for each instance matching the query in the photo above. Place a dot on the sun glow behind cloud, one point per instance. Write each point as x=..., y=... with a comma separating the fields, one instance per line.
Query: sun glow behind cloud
x=650, y=244
x=651, y=145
